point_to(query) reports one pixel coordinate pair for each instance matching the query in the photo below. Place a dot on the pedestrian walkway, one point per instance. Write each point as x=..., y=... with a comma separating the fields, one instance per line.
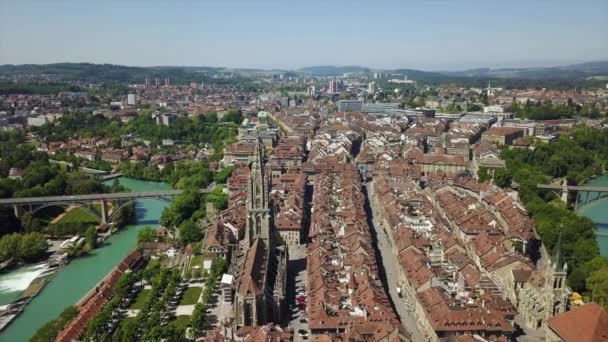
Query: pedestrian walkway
x=184, y=310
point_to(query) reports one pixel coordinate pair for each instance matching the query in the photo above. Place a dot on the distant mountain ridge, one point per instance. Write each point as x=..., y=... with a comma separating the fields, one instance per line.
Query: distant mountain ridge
x=120, y=73
x=332, y=70
x=572, y=71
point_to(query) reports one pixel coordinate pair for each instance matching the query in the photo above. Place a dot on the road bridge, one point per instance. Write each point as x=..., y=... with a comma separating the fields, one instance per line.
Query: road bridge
x=33, y=204
x=566, y=190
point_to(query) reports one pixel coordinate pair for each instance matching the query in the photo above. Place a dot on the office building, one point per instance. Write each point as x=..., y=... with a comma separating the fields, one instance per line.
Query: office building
x=131, y=99
x=371, y=87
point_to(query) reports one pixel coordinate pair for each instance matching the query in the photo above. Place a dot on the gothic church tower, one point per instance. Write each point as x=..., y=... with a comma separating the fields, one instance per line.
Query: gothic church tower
x=258, y=212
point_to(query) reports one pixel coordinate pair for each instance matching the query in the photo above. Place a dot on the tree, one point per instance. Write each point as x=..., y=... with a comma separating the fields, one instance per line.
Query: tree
x=32, y=246
x=151, y=270
x=233, y=115
x=181, y=209
x=218, y=198
x=218, y=266
x=9, y=245
x=211, y=117
x=474, y=107
x=598, y=284
x=502, y=178
x=91, y=237
x=198, y=319
x=590, y=111
x=146, y=234
x=128, y=331
x=189, y=232
x=484, y=175
x=223, y=174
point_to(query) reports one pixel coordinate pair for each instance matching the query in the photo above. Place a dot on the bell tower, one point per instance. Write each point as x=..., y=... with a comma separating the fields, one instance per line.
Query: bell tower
x=258, y=212
x=558, y=270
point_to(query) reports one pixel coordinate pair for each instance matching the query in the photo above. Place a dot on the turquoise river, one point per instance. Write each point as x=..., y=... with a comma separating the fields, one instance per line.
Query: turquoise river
x=598, y=212
x=73, y=281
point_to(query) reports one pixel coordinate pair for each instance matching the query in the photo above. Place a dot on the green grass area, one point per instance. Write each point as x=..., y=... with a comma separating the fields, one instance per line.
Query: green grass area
x=191, y=296
x=142, y=298
x=197, y=260
x=181, y=322
x=78, y=215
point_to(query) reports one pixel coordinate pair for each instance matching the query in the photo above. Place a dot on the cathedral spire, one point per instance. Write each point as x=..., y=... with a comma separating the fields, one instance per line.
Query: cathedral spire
x=258, y=212
x=557, y=253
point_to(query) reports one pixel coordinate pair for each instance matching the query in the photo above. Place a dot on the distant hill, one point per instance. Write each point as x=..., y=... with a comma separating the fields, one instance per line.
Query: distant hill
x=564, y=76
x=567, y=72
x=331, y=70
x=89, y=72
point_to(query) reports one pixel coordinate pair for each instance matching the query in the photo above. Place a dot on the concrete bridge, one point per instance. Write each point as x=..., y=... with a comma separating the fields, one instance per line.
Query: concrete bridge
x=566, y=190
x=33, y=204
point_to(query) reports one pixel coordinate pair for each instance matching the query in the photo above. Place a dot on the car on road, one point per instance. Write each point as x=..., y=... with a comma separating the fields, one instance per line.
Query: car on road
x=303, y=320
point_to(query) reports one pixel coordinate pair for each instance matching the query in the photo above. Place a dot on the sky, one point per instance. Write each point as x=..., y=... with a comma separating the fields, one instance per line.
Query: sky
x=419, y=34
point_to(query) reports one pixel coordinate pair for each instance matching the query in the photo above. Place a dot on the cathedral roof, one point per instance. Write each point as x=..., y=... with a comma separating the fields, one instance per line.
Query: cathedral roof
x=251, y=281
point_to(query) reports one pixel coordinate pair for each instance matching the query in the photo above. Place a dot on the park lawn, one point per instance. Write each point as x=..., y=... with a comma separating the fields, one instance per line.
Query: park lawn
x=197, y=260
x=181, y=322
x=77, y=215
x=191, y=296
x=142, y=298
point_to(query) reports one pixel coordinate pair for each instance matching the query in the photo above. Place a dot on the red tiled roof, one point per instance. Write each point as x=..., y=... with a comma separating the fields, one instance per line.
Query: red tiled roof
x=588, y=323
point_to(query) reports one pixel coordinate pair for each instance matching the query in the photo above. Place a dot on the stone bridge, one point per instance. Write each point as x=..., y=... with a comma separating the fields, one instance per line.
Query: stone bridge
x=33, y=204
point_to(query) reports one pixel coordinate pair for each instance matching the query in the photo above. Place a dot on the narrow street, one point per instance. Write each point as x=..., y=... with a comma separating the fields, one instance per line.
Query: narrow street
x=296, y=282
x=391, y=267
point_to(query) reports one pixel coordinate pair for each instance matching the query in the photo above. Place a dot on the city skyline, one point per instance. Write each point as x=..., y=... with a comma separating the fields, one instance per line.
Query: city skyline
x=426, y=35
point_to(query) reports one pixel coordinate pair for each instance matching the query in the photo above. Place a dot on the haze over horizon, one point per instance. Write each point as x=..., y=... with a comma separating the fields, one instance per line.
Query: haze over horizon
x=426, y=35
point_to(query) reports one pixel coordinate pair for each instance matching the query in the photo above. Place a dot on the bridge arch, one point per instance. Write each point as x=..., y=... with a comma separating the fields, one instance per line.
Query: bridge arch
x=584, y=198
x=116, y=210
x=80, y=205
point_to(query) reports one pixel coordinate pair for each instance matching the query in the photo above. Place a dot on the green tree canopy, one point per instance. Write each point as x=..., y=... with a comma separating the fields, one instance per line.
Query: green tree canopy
x=146, y=234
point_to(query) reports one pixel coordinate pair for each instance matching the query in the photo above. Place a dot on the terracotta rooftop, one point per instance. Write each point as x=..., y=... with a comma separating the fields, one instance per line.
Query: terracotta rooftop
x=588, y=323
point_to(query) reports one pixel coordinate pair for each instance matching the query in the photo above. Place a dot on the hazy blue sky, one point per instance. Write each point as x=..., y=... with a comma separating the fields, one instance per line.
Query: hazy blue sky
x=425, y=34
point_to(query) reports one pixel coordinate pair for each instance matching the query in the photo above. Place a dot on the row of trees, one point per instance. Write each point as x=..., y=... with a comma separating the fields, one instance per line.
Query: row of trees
x=45, y=179
x=200, y=129
x=198, y=320
x=575, y=157
x=147, y=326
x=548, y=111
x=97, y=327
x=181, y=175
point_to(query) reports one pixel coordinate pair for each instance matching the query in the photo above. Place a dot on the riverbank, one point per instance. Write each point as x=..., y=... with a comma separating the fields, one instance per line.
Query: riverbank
x=76, y=279
x=597, y=211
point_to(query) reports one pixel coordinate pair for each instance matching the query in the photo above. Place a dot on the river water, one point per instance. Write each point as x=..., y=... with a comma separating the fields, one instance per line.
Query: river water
x=80, y=275
x=598, y=212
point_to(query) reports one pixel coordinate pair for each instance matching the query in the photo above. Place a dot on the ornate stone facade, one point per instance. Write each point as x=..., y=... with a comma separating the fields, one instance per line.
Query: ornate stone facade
x=261, y=284
x=543, y=295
